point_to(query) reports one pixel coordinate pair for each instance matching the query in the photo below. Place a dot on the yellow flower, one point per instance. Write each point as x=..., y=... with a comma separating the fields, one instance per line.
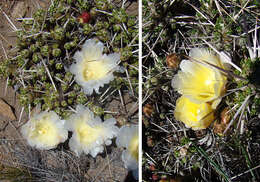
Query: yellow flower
x=128, y=138
x=196, y=116
x=199, y=82
x=92, y=68
x=44, y=131
x=89, y=132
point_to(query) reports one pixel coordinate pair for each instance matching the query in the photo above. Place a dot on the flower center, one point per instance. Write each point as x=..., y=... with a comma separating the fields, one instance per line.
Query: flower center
x=88, y=134
x=43, y=130
x=94, y=70
x=88, y=74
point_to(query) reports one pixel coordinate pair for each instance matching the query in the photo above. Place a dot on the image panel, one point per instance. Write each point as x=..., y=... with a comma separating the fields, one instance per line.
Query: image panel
x=200, y=62
x=69, y=90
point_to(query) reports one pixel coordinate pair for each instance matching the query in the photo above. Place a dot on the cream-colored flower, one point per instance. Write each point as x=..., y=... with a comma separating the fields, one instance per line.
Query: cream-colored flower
x=44, y=131
x=128, y=138
x=196, y=116
x=200, y=82
x=92, y=68
x=90, y=134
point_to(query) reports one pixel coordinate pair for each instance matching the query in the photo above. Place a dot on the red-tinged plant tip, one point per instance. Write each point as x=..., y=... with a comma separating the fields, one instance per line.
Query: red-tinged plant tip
x=155, y=177
x=84, y=17
x=152, y=167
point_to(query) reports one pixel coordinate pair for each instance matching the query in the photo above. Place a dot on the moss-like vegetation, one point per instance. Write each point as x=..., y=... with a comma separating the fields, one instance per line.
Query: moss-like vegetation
x=53, y=36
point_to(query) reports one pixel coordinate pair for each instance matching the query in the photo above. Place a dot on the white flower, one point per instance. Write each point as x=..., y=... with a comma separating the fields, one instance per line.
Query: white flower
x=89, y=132
x=128, y=138
x=92, y=68
x=44, y=131
x=199, y=82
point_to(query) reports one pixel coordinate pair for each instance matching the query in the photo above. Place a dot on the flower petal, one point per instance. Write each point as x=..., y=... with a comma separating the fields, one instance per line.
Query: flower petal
x=92, y=49
x=196, y=116
x=128, y=138
x=44, y=131
x=89, y=132
x=93, y=70
x=199, y=82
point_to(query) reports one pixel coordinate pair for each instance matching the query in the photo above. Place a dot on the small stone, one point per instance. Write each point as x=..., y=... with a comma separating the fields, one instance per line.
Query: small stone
x=6, y=111
x=43, y=3
x=19, y=10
